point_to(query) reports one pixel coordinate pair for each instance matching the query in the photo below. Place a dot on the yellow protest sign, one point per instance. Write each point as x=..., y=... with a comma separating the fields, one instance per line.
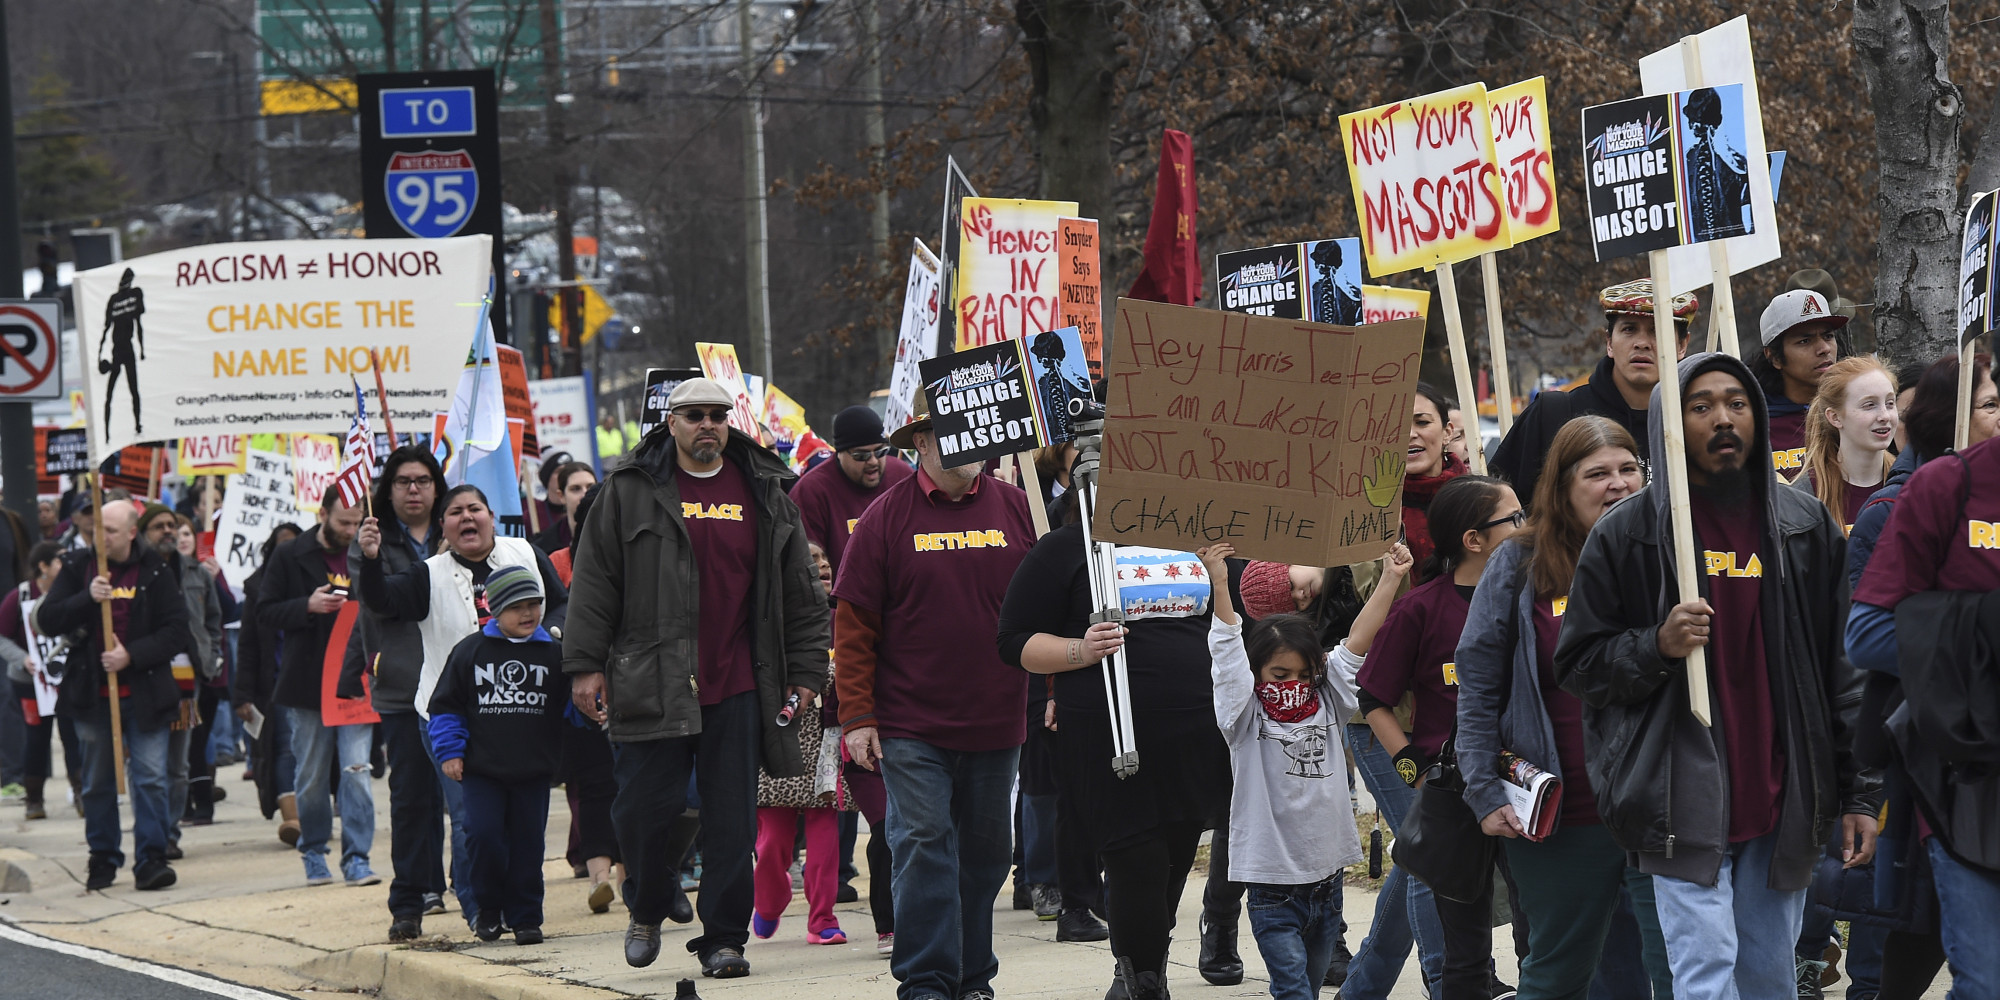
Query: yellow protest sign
x=1008, y=264
x=1427, y=188
x=211, y=455
x=1382, y=303
x=1521, y=146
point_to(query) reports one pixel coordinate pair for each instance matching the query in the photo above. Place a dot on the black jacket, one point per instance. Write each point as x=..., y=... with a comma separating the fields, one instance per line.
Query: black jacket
x=156, y=630
x=256, y=678
x=1521, y=453
x=291, y=576
x=388, y=648
x=1947, y=732
x=1660, y=776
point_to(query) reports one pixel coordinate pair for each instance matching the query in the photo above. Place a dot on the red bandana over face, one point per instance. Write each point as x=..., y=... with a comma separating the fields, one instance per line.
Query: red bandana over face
x=1295, y=700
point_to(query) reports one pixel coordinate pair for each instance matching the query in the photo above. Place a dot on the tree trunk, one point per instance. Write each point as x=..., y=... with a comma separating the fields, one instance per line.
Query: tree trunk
x=1073, y=55
x=1902, y=47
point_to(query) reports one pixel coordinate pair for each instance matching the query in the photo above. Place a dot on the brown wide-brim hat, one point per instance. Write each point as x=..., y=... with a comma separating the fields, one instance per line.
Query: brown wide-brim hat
x=920, y=420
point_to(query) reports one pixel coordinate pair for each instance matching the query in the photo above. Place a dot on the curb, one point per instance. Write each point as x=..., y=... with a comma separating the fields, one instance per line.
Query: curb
x=402, y=973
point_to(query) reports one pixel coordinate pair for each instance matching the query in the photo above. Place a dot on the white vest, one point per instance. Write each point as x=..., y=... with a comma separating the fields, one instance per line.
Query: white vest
x=453, y=616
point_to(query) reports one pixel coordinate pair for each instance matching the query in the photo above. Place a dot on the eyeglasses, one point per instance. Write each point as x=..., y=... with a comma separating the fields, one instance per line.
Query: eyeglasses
x=1517, y=519
x=870, y=454
x=694, y=416
x=412, y=482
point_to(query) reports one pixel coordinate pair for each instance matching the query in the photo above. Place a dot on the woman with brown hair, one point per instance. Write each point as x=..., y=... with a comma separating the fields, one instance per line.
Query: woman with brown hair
x=1509, y=706
x=1849, y=428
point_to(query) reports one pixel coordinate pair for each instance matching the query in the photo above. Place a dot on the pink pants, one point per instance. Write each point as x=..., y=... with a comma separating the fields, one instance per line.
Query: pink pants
x=776, y=830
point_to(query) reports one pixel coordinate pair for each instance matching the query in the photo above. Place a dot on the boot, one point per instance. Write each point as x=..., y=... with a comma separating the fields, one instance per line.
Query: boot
x=288, y=825
x=1134, y=985
x=1219, y=963
x=36, y=810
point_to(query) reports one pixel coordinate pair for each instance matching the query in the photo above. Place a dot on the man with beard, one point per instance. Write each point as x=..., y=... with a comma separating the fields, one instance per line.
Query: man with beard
x=696, y=613
x=1618, y=387
x=198, y=665
x=1730, y=818
x=832, y=495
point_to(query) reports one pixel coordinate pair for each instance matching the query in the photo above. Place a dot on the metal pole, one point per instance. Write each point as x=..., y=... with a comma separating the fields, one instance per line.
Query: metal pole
x=878, y=153
x=17, y=420
x=756, y=234
x=565, y=184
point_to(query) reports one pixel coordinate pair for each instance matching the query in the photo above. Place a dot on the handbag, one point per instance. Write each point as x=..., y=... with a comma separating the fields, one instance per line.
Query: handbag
x=1440, y=842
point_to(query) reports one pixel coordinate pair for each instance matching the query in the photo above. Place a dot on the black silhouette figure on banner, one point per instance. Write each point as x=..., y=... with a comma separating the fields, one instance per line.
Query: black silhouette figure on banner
x=123, y=327
x=1718, y=174
x=1055, y=386
x=1332, y=303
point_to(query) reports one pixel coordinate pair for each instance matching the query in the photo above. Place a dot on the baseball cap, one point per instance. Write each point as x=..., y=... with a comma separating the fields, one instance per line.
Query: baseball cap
x=699, y=391
x=1794, y=308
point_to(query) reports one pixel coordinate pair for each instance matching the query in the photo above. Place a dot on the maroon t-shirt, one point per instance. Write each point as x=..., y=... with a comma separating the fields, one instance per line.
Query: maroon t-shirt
x=721, y=520
x=1788, y=443
x=124, y=589
x=1928, y=544
x=1856, y=497
x=1579, y=804
x=1732, y=544
x=1416, y=651
x=829, y=503
x=936, y=571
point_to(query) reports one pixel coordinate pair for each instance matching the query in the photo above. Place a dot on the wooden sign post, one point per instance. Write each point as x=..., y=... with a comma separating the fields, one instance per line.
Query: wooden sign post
x=1686, y=570
x=1461, y=367
x=1496, y=347
x=110, y=637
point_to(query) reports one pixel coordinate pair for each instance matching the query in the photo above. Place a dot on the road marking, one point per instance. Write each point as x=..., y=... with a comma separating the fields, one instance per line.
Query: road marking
x=179, y=977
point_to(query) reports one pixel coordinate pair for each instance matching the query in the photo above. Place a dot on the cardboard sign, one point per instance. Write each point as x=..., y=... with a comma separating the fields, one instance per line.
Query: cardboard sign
x=1382, y=303
x=1319, y=280
x=65, y=451
x=719, y=362
x=660, y=383
x=1082, y=285
x=1975, y=294
x=333, y=709
x=1526, y=153
x=1005, y=398
x=131, y=469
x=921, y=299
x=1284, y=437
x=1666, y=170
x=1724, y=56
x=514, y=390
x=211, y=455
x=1008, y=264
x=257, y=500
x=1427, y=186
x=562, y=417
x=315, y=463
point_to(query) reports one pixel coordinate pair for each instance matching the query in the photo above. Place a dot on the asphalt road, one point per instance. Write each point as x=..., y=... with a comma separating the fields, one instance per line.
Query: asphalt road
x=45, y=974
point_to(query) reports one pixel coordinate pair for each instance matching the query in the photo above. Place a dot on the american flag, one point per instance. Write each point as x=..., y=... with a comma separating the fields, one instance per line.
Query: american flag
x=360, y=452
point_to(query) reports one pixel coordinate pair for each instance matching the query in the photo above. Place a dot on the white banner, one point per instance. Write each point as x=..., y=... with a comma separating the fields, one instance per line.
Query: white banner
x=562, y=417
x=241, y=338
x=920, y=316
x=256, y=501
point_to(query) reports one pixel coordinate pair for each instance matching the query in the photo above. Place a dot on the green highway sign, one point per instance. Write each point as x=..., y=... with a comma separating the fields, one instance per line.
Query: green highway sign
x=312, y=48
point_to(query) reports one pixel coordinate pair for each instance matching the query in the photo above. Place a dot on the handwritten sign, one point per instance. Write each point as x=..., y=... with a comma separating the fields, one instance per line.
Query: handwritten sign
x=1008, y=264
x=211, y=455
x=1427, y=186
x=913, y=342
x=257, y=500
x=1666, y=170
x=1521, y=145
x=1082, y=285
x=1382, y=303
x=519, y=401
x=1005, y=398
x=315, y=463
x=719, y=362
x=1284, y=437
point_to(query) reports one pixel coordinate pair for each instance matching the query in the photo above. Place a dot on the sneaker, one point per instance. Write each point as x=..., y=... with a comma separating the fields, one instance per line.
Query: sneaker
x=174, y=852
x=763, y=926
x=642, y=944
x=1219, y=963
x=1809, y=973
x=152, y=875
x=218, y=794
x=1080, y=925
x=725, y=963
x=36, y=810
x=101, y=874
x=976, y=995
x=359, y=874
x=885, y=944
x=845, y=894
x=433, y=904
x=600, y=897
x=316, y=870
x=829, y=935
x=1502, y=991
x=527, y=935
x=13, y=791
x=487, y=932
x=406, y=929
x=1024, y=895
x=1048, y=901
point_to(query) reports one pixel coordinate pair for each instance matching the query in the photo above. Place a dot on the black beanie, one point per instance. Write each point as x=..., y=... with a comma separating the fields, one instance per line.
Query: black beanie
x=857, y=427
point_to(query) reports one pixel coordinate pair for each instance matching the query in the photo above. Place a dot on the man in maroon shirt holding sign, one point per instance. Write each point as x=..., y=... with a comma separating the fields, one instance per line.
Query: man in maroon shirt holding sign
x=1729, y=818
x=926, y=700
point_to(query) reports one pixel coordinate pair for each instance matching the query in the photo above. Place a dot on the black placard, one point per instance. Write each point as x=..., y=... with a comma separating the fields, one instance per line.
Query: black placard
x=66, y=451
x=660, y=383
x=1629, y=176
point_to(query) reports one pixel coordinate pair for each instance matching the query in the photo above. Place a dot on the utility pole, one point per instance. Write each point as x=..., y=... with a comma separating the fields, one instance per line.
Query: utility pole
x=564, y=181
x=17, y=419
x=878, y=146
x=756, y=236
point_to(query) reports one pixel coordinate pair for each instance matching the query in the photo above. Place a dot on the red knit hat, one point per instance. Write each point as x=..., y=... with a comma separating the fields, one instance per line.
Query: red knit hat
x=1266, y=589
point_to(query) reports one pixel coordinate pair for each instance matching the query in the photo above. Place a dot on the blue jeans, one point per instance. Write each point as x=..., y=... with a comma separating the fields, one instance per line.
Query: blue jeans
x=1735, y=938
x=1404, y=912
x=146, y=779
x=1968, y=909
x=1295, y=927
x=316, y=747
x=454, y=807
x=225, y=734
x=950, y=835
x=1038, y=839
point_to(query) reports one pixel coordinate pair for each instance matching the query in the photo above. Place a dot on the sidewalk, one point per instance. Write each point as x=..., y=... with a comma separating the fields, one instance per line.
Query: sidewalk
x=241, y=911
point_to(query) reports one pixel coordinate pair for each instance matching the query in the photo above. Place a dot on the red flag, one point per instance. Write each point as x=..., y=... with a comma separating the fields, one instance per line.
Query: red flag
x=1173, y=271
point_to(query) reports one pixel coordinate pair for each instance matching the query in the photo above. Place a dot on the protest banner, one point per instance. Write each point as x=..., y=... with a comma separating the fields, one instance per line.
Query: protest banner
x=1526, y=154
x=1715, y=58
x=65, y=451
x=1082, y=286
x=719, y=362
x=987, y=402
x=234, y=337
x=211, y=455
x=660, y=383
x=1382, y=303
x=785, y=419
x=1975, y=299
x=1008, y=264
x=1426, y=185
x=1285, y=437
x=921, y=299
x=562, y=417
x=257, y=500
x=315, y=463
x=514, y=390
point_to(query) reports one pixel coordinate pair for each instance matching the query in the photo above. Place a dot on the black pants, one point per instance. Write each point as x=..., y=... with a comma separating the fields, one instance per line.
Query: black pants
x=201, y=766
x=504, y=823
x=652, y=794
x=1143, y=883
x=416, y=816
x=1468, y=939
x=1079, y=872
x=881, y=892
x=587, y=766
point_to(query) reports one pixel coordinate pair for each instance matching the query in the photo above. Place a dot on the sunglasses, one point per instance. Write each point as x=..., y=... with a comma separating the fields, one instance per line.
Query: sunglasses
x=1517, y=519
x=695, y=416
x=870, y=454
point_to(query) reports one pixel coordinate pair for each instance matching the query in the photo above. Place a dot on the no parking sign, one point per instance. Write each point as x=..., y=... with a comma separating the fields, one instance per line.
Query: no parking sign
x=30, y=349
